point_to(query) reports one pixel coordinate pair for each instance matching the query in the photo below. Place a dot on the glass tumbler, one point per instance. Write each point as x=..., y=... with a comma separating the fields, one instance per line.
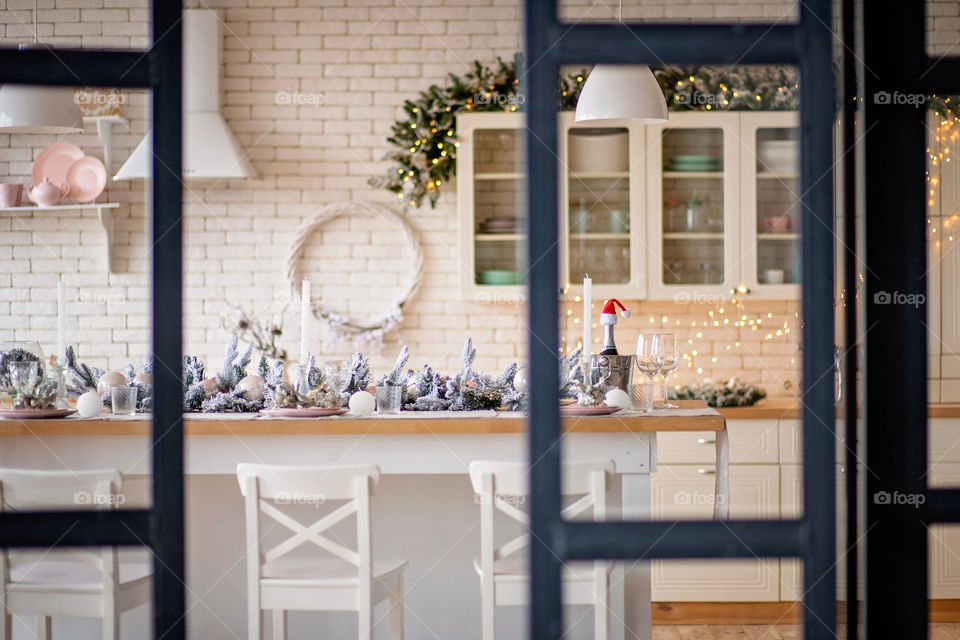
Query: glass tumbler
x=124, y=400
x=388, y=399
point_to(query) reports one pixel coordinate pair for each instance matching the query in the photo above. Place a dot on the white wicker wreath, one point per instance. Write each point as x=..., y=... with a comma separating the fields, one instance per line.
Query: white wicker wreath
x=339, y=328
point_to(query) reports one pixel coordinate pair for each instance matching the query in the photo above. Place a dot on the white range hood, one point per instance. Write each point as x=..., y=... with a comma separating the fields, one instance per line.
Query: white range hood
x=209, y=148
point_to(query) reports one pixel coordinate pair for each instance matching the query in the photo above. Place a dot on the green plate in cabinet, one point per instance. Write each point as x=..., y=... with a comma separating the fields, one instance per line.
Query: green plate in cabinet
x=498, y=276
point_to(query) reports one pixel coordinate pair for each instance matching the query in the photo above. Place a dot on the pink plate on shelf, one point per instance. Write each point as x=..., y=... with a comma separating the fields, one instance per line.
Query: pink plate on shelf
x=307, y=412
x=35, y=414
x=87, y=178
x=54, y=162
x=578, y=410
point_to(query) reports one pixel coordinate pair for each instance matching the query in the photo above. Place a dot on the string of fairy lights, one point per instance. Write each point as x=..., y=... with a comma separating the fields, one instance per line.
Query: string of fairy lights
x=947, y=135
x=731, y=315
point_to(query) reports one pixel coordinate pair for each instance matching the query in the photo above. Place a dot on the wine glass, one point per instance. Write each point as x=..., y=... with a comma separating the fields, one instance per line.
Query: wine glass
x=649, y=357
x=670, y=362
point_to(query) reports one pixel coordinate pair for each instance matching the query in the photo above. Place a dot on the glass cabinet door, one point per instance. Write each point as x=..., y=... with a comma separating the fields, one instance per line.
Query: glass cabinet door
x=778, y=223
x=498, y=196
x=690, y=202
x=771, y=192
x=598, y=205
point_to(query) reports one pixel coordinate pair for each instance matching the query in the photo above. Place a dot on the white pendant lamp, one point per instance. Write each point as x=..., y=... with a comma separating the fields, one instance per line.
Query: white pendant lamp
x=615, y=94
x=618, y=94
x=35, y=109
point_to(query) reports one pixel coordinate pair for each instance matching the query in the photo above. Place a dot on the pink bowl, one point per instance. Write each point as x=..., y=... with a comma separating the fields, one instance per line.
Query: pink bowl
x=775, y=225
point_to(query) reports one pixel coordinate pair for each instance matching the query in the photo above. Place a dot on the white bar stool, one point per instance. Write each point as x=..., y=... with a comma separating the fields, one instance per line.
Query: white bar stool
x=88, y=583
x=504, y=570
x=347, y=581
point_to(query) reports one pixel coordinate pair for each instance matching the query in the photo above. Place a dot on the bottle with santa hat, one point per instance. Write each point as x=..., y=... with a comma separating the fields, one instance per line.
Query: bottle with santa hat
x=608, y=318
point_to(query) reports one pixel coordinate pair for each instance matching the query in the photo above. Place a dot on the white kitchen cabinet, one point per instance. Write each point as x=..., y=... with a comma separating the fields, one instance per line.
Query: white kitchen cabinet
x=686, y=492
x=676, y=211
x=601, y=181
x=721, y=206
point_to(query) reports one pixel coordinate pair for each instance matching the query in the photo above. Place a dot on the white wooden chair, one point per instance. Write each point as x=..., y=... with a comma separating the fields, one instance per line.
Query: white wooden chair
x=348, y=581
x=89, y=583
x=504, y=570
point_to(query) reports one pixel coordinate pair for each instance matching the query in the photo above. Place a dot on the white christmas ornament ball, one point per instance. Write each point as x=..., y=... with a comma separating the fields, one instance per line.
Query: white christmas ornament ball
x=617, y=398
x=520, y=380
x=362, y=403
x=89, y=404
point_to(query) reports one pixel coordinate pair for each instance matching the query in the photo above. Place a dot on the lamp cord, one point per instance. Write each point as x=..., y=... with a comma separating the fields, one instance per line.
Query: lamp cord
x=36, y=36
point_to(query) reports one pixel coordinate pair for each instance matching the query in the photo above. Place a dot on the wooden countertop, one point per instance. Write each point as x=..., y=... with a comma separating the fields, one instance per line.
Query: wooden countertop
x=776, y=409
x=705, y=419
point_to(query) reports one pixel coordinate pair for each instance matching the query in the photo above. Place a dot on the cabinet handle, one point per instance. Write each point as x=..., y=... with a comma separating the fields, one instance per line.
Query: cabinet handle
x=706, y=472
x=705, y=441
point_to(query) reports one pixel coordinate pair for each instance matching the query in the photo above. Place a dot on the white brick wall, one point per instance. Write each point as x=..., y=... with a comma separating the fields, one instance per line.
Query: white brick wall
x=364, y=57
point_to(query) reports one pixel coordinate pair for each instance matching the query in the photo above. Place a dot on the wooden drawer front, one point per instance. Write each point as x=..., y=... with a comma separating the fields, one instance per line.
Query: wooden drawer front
x=791, y=447
x=944, y=540
x=682, y=492
x=943, y=441
x=751, y=441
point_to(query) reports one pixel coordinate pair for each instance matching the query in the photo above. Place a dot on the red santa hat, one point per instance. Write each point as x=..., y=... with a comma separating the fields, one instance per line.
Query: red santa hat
x=609, y=313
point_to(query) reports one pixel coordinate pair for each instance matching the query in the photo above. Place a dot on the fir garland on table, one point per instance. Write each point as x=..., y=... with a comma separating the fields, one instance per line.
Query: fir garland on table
x=732, y=394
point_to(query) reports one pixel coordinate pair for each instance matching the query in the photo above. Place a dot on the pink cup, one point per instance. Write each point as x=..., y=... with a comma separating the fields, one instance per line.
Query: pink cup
x=11, y=194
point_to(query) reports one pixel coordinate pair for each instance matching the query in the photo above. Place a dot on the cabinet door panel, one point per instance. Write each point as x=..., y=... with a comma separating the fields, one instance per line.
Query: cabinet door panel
x=944, y=540
x=686, y=492
x=791, y=501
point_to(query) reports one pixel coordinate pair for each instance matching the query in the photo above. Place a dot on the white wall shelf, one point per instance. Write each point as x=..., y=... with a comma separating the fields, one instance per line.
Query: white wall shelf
x=104, y=212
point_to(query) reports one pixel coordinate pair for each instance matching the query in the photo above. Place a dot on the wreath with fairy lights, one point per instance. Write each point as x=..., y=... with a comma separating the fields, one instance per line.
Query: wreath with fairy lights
x=423, y=157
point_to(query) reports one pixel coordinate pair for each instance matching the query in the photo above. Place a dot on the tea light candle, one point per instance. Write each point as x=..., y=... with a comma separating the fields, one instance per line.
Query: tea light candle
x=587, y=321
x=61, y=320
x=304, y=320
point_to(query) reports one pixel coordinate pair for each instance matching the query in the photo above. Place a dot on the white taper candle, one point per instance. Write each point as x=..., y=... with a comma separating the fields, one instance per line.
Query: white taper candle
x=587, y=320
x=304, y=320
x=61, y=321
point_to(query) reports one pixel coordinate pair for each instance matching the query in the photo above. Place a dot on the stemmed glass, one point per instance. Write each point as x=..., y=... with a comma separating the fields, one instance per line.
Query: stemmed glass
x=649, y=357
x=671, y=360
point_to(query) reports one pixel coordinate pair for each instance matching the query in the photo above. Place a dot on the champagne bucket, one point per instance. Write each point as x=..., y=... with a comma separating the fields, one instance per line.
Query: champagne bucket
x=614, y=371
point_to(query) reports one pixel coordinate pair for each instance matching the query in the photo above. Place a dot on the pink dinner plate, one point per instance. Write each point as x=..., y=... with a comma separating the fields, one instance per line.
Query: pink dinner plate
x=87, y=178
x=35, y=414
x=54, y=162
x=577, y=410
x=308, y=412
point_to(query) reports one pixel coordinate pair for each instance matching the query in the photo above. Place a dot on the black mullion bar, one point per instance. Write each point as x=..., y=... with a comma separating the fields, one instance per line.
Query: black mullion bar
x=684, y=539
x=75, y=528
x=943, y=505
x=817, y=112
x=939, y=75
x=657, y=43
x=849, y=361
x=167, y=260
x=896, y=340
x=76, y=67
x=541, y=71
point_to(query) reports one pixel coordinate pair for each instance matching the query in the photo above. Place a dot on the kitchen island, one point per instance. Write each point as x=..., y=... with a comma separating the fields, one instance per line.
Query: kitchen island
x=424, y=458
